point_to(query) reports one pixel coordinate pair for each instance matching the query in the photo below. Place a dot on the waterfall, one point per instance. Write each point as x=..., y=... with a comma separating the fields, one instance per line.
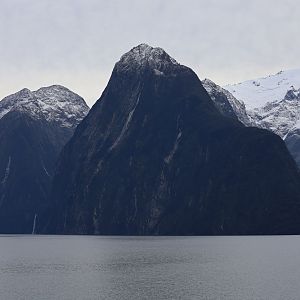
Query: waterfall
x=34, y=224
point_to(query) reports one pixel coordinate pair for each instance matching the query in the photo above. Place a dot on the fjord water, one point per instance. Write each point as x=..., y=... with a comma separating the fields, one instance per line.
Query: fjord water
x=92, y=267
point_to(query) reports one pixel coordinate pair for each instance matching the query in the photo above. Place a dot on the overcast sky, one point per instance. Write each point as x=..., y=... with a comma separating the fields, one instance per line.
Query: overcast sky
x=76, y=43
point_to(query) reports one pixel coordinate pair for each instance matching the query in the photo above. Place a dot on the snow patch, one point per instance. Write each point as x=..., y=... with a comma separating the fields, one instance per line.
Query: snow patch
x=257, y=93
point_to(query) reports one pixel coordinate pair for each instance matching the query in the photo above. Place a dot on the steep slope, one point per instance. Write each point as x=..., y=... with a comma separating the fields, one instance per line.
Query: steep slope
x=34, y=126
x=273, y=103
x=279, y=116
x=292, y=141
x=154, y=156
x=225, y=102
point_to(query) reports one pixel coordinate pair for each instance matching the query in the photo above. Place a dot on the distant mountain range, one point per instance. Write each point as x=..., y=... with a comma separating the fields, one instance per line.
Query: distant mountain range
x=34, y=127
x=160, y=153
x=273, y=103
x=256, y=93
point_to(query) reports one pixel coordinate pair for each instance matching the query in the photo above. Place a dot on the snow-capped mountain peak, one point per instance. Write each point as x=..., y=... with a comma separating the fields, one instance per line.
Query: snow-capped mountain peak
x=273, y=103
x=54, y=103
x=256, y=93
x=144, y=55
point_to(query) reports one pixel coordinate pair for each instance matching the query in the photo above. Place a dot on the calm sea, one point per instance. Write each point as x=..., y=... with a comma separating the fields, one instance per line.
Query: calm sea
x=89, y=267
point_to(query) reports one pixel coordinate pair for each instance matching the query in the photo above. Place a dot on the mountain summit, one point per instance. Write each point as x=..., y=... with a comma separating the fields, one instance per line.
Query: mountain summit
x=143, y=56
x=155, y=156
x=54, y=103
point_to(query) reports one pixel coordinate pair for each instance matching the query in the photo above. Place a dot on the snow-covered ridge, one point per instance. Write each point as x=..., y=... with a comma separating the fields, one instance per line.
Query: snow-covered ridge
x=145, y=55
x=257, y=93
x=272, y=102
x=279, y=116
x=54, y=103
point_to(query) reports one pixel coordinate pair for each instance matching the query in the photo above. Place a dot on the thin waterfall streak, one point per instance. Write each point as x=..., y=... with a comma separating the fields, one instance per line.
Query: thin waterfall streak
x=34, y=224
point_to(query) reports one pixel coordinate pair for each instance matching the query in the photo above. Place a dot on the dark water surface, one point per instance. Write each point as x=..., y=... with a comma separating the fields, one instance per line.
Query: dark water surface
x=88, y=267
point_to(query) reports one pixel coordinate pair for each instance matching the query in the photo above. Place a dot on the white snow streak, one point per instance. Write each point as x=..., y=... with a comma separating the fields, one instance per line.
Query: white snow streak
x=174, y=149
x=47, y=173
x=126, y=125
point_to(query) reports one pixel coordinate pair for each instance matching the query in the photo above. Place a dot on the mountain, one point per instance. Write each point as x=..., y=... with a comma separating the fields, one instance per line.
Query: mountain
x=34, y=126
x=226, y=103
x=273, y=103
x=55, y=104
x=257, y=93
x=155, y=157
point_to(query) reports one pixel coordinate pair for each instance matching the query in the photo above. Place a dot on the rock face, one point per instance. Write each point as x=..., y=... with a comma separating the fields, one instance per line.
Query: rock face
x=273, y=103
x=34, y=126
x=228, y=105
x=155, y=156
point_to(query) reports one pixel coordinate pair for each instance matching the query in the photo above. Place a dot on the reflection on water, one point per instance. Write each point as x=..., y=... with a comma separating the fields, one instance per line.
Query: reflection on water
x=82, y=267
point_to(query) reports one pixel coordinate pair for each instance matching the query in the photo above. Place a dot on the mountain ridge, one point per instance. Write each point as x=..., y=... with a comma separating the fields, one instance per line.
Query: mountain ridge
x=49, y=102
x=278, y=106
x=266, y=89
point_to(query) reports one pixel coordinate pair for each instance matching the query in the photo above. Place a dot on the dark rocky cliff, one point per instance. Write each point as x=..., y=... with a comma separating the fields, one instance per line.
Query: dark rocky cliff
x=154, y=156
x=34, y=127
